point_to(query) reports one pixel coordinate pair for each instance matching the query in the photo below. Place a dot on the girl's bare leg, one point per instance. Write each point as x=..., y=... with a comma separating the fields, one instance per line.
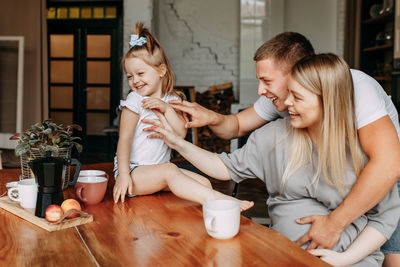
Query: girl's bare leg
x=199, y=178
x=153, y=178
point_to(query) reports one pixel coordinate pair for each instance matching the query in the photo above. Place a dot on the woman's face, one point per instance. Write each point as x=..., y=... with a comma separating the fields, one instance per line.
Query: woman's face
x=305, y=108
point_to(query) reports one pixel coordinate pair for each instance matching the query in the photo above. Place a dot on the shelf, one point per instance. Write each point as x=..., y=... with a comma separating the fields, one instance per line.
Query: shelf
x=382, y=78
x=384, y=17
x=375, y=51
x=378, y=47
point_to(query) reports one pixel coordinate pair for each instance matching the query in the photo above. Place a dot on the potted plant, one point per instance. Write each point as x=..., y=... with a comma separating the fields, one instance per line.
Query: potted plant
x=42, y=137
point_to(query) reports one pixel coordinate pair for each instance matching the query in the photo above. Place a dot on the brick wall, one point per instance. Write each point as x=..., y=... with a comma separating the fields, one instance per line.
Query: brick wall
x=201, y=39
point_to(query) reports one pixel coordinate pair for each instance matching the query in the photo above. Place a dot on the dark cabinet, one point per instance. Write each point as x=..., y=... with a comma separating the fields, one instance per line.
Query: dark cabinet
x=376, y=41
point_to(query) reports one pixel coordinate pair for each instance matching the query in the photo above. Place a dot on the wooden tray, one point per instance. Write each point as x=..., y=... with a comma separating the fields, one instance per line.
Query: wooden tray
x=29, y=215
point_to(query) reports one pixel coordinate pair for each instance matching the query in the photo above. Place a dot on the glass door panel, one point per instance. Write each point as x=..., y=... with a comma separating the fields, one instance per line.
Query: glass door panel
x=62, y=97
x=61, y=74
x=98, y=46
x=62, y=45
x=96, y=122
x=98, y=78
x=98, y=72
x=64, y=118
x=61, y=71
x=98, y=98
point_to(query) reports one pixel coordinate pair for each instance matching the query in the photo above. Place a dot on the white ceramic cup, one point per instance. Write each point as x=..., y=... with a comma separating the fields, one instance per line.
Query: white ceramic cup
x=222, y=218
x=25, y=192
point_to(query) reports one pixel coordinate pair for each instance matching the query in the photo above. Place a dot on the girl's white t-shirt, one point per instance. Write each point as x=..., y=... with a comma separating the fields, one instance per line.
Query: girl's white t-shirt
x=146, y=151
x=372, y=103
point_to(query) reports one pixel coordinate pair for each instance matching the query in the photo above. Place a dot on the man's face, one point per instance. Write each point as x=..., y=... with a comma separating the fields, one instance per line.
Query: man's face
x=272, y=83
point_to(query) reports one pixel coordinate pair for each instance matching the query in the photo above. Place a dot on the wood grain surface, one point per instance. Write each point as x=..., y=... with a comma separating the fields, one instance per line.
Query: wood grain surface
x=29, y=215
x=153, y=230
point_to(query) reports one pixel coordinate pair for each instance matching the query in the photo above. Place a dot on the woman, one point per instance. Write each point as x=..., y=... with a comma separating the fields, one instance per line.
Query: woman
x=308, y=161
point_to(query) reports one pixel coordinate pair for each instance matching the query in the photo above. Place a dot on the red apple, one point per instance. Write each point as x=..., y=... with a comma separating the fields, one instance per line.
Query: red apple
x=71, y=204
x=53, y=213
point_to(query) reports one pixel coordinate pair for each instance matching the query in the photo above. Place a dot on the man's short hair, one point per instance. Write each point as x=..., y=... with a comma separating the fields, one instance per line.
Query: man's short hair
x=285, y=49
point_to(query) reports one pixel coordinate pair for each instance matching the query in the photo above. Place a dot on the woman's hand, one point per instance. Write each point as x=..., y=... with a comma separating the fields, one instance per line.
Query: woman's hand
x=331, y=257
x=163, y=130
x=155, y=103
x=122, y=185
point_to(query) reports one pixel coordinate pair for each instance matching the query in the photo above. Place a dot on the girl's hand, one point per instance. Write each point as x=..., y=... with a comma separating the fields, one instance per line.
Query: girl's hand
x=163, y=130
x=122, y=185
x=155, y=103
x=331, y=257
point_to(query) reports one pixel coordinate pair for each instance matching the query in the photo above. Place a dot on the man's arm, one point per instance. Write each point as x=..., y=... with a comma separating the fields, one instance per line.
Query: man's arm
x=224, y=126
x=380, y=143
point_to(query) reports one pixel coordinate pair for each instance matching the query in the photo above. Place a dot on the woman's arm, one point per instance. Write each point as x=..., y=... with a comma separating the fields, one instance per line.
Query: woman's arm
x=207, y=162
x=176, y=120
x=123, y=184
x=367, y=242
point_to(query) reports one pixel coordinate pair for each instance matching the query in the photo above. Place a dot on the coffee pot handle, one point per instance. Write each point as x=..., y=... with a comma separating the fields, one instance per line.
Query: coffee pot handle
x=78, y=164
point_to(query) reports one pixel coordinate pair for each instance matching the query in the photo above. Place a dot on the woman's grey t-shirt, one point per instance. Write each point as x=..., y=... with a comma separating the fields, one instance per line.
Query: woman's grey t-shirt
x=265, y=156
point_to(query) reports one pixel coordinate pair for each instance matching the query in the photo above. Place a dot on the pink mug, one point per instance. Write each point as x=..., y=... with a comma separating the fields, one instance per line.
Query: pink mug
x=93, y=173
x=91, y=189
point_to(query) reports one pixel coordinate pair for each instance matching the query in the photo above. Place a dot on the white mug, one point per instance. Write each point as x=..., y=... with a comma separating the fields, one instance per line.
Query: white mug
x=222, y=218
x=25, y=192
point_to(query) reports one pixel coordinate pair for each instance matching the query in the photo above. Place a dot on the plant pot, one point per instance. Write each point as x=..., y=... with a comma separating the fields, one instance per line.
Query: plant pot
x=34, y=153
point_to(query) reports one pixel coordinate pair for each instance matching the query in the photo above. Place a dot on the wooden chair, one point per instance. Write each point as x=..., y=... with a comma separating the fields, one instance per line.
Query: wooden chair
x=219, y=87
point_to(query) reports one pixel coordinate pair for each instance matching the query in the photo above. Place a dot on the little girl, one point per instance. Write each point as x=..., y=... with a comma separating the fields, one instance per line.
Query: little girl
x=142, y=164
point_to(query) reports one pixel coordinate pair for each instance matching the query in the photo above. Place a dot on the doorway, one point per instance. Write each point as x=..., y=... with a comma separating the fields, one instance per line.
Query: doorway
x=84, y=71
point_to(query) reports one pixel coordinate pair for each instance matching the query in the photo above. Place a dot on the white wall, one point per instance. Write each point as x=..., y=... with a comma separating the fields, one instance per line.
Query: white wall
x=321, y=21
x=135, y=11
x=317, y=20
x=201, y=39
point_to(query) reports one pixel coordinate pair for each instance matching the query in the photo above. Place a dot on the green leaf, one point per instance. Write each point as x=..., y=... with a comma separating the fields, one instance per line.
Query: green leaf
x=36, y=127
x=78, y=147
x=47, y=136
x=22, y=148
x=48, y=131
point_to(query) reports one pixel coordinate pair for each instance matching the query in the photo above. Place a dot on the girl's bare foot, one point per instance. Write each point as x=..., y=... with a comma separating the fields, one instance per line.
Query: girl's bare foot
x=245, y=205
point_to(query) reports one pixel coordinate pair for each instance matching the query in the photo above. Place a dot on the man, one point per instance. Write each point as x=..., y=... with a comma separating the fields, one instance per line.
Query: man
x=377, y=122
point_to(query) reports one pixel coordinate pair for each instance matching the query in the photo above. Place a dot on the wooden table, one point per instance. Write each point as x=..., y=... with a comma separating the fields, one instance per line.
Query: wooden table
x=154, y=230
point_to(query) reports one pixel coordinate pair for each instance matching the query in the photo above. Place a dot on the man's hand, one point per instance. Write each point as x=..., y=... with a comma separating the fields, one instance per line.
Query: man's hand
x=200, y=115
x=323, y=233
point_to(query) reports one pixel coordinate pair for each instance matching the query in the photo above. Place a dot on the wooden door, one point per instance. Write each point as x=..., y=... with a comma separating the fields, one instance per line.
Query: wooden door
x=85, y=76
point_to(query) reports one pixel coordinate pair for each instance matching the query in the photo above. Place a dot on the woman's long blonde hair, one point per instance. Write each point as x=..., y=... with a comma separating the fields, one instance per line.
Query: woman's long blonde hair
x=329, y=77
x=153, y=54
